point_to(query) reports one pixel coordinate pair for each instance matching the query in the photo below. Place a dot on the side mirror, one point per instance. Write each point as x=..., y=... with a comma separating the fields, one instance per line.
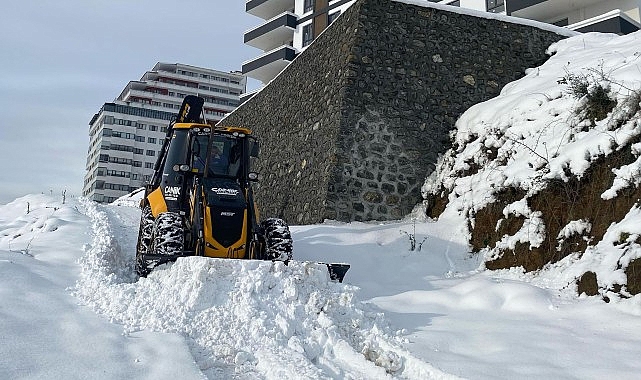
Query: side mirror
x=253, y=176
x=254, y=148
x=195, y=148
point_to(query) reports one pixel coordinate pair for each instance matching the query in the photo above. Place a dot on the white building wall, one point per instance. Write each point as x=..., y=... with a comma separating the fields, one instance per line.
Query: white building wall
x=298, y=33
x=478, y=5
x=629, y=7
x=298, y=7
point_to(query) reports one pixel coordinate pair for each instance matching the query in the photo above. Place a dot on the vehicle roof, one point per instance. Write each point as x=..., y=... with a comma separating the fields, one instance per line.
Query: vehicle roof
x=246, y=131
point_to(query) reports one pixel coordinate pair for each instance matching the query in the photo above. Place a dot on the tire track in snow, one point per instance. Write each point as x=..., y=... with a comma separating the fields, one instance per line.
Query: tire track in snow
x=243, y=319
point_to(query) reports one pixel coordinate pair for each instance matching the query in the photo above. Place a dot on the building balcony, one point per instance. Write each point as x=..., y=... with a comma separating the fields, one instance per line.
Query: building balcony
x=611, y=22
x=266, y=66
x=267, y=9
x=545, y=10
x=273, y=33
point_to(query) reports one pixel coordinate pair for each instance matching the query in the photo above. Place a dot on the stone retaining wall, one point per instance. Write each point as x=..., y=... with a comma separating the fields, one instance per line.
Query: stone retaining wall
x=353, y=126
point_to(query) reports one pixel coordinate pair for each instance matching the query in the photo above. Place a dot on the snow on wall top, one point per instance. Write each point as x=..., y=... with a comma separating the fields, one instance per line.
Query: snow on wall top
x=492, y=16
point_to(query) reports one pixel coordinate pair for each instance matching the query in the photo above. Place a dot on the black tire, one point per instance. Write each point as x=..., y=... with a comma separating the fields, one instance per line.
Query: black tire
x=145, y=234
x=278, y=240
x=168, y=237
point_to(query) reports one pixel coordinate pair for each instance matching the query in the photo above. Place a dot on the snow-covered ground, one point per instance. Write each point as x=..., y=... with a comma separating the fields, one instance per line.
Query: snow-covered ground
x=72, y=308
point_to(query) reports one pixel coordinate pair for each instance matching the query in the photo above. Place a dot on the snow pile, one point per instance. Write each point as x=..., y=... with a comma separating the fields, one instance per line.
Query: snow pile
x=245, y=318
x=534, y=134
x=132, y=199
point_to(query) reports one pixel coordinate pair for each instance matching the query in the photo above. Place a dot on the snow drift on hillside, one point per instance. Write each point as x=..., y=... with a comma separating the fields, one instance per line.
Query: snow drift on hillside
x=531, y=135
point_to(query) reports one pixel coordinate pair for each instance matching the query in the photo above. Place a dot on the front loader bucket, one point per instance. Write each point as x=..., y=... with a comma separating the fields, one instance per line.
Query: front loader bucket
x=337, y=271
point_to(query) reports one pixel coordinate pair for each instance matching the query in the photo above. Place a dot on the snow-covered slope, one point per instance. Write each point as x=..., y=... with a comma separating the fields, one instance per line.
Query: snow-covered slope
x=539, y=182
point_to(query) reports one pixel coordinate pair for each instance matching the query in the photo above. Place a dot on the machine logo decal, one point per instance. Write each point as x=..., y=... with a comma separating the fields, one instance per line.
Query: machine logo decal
x=172, y=192
x=224, y=191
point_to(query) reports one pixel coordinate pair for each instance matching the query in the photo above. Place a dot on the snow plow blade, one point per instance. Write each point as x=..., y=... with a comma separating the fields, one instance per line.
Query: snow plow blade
x=336, y=271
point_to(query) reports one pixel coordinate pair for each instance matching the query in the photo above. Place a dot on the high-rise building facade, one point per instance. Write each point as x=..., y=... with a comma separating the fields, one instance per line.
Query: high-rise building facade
x=127, y=134
x=290, y=25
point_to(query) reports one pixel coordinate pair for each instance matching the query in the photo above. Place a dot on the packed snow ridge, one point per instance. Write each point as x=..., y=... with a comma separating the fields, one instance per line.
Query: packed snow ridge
x=244, y=318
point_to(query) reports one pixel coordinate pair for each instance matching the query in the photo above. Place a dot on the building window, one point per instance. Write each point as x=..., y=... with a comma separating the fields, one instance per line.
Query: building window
x=495, y=6
x=140, y=138
x=331, y=17
x=149, y=165
x=151, y=153
x=118, y=173
x=308, y=6
x=151, y=140
x=308, y=34
x=563, y=22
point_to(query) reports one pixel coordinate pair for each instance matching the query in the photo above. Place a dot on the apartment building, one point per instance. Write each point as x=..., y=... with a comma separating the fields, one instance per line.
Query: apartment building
x=288, y=26
x=127, y=134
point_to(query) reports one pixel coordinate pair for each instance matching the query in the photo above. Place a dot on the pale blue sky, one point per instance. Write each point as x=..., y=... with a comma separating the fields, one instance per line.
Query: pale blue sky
x=61, y=60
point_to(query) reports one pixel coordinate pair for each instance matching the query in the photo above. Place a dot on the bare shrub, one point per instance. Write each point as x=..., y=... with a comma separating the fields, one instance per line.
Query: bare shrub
x=594, y=92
